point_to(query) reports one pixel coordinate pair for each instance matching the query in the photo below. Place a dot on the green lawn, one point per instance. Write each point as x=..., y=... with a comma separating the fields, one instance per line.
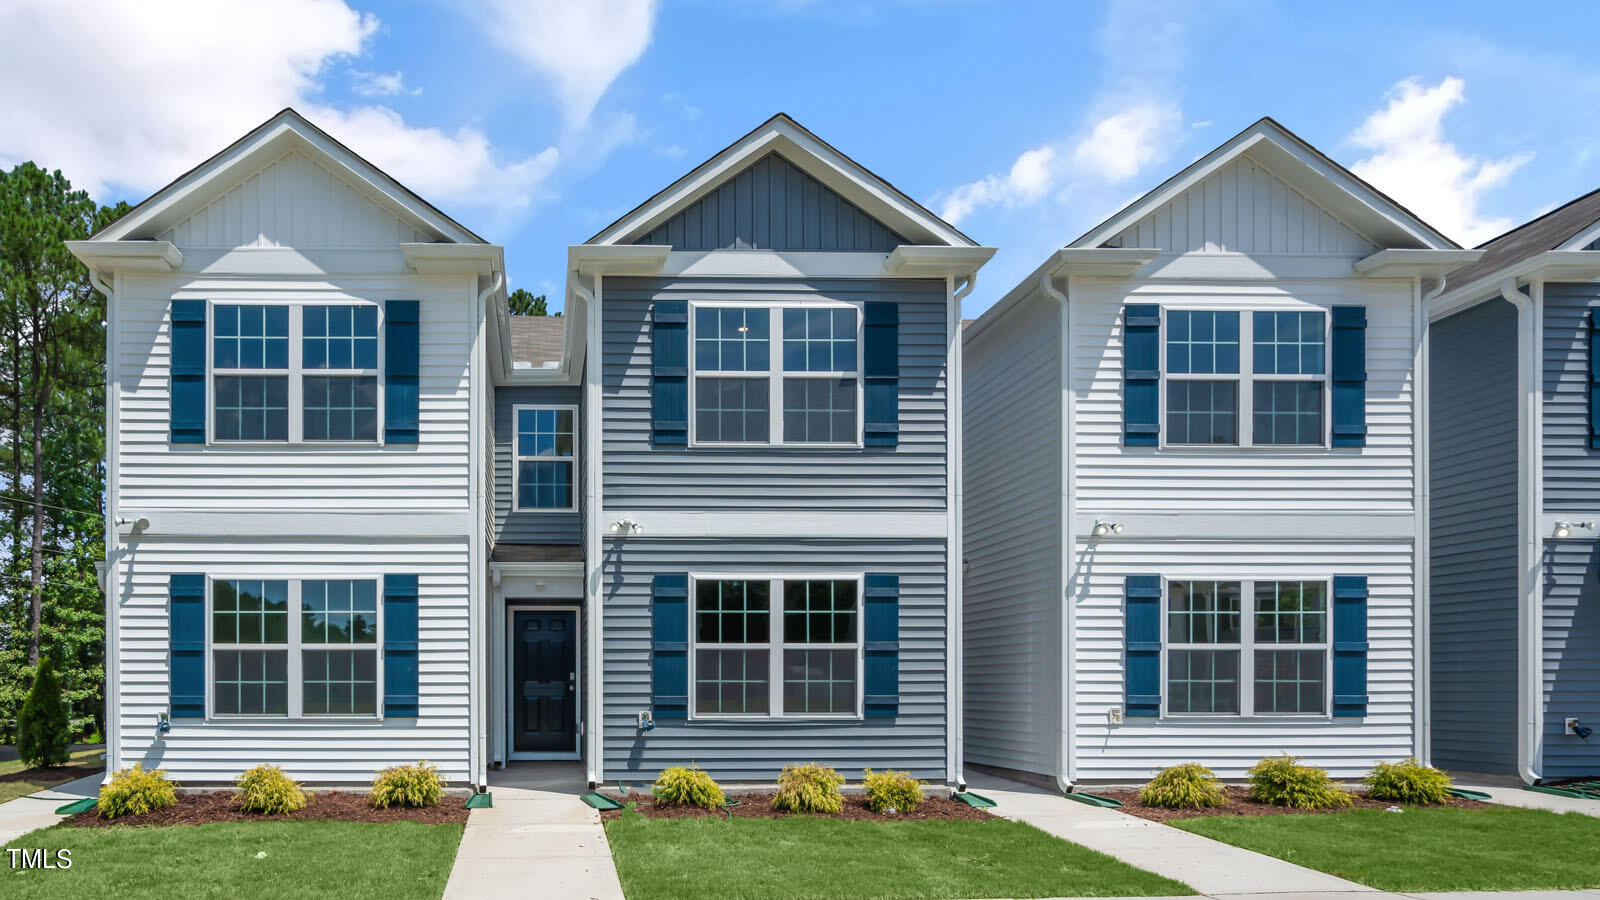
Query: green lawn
x=805, y=858
x=17, y=779
x=242, y=861
x=1491, y=848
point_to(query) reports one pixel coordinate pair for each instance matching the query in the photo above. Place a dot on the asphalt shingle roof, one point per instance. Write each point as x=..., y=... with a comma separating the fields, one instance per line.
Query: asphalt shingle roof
x=1547, y=232
x=537, y=340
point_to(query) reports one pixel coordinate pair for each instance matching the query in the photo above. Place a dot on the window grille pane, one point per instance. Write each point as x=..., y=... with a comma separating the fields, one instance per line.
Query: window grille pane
x=250, y=611
x=339, y=612
x=1203, y=681
x=1203, y=612
x=819, y=682
x=1289, y=343
x=341, y=408
x=1291, y=612
x=339, y=682
x=1288, y=412
x=733, y=612
x=1290, y=681
x=732, y=682
x=544, y=485
x=339, y=337
x=1202, y=343
x=734, y=410
x=252, y=408
x=250, y=337
x=819, y=411
x=251, y=682
x=1203, y=412
x=819, y=612
x=544, y=432
x=731, y=339
x=819, y=340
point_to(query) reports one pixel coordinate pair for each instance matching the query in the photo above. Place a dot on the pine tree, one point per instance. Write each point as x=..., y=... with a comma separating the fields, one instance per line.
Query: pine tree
x=42, y=729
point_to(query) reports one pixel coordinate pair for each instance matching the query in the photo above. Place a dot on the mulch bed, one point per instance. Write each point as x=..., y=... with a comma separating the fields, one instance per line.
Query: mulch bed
x=336, y=806
x=71, y=772
x=1240, y=805
x=759, y=806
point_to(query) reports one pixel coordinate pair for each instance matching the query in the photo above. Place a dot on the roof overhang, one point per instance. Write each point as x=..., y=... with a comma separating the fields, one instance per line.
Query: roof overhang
x=127, y=256
x=1581, y=264
x=1398, y=263
x=454, y=259
x=1093, y=262
x=933, y=261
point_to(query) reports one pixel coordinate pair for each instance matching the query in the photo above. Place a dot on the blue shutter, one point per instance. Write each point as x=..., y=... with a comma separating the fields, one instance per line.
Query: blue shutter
x=402, y=347
x=1141, y=375
x=881, y=361
x=669, y=372
x=400, y=647
x=1349, y=645
x=881, y=647
x=1141, y=635
x=188, y=388
x=1349, y=376
x=1594, y=381
x=186, y=643
x=669, y=646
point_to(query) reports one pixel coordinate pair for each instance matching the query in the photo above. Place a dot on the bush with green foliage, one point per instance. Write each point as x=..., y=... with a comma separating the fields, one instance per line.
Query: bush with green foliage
x=891, y=791
x=1407, y=781
x=811, y=788
x=417, y=785
x=1283, y=781
x=269, y=790
x=42, y=738
x=1184, y=786
x=135, y=791
x=687, y=786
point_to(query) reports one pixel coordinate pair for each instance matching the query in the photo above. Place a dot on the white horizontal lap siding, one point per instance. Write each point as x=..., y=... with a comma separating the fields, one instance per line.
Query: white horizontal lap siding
x=1376, y=478
x=1346, y=747
x=155, y=473
x=339, y=751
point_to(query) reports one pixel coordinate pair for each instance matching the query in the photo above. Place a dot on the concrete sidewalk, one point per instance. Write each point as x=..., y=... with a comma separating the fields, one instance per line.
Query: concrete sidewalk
x=539, y=839
x=38, y=810
x=1516, y=796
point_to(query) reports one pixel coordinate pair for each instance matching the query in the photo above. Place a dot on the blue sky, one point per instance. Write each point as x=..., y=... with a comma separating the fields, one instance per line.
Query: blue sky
x=538, y=122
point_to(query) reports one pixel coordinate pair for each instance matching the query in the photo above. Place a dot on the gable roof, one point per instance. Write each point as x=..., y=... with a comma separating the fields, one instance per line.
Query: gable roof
x=1551, y=231
x=537, y=340
x=1364, y=208
x=873, y=196
x=286, y=131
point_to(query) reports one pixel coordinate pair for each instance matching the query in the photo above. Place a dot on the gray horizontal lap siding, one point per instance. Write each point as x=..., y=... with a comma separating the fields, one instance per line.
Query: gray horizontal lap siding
x=512, y=526
x=1571, y=657
x=757, y=750
x=1473, y=551
x=639, y=475
x=1571, y=469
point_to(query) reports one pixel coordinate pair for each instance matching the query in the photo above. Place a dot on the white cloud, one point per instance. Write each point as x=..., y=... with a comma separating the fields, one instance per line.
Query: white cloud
x=1123, y=143
x=582, y=46
x=115, y=96
x=380, y=84
x=1029, y=178
x=1412, y=161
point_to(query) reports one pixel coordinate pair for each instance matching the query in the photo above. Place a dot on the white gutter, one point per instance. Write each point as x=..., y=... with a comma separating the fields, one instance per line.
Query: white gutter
x=113, y=657
x=592, y=516
x=476, y=551
x=1529, y=618
x=955, y=556
x=1422, y=715
x=1067, y=729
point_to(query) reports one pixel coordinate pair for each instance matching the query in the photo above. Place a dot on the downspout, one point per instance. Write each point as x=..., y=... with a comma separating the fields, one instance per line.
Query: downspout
x=592, y=516
x=956, y=567
x=1422, y=589
x=479, y=720
x=1066, y=733
x=1529, y=618
x=113, y=665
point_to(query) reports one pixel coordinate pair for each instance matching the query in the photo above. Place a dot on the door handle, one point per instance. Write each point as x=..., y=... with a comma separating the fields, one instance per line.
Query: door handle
x=572, y=681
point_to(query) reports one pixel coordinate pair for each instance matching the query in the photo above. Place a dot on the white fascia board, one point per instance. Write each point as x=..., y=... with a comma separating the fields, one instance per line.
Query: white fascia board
x=617, y=259
x=1408, y=263
x=1549, y=265
x=933, y=261
x=662, y=524
x=127, y=256
x=269, y=523
x=1263, y=526
x=454, y=259
x=1104, y=262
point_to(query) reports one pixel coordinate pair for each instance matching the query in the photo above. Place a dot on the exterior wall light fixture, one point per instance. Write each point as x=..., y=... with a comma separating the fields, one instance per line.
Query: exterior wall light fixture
x=1102, y=528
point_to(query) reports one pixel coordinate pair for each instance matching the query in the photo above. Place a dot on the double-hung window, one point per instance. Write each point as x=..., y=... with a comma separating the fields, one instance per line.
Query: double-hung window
x=546, y=454
x=776, y=647
x=295, y=373
x=294, y=647
x=1245, y=379
x=780, y=375
x=1247, y=647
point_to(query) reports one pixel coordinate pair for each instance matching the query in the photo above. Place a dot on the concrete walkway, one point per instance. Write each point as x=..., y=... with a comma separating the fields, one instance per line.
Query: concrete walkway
x=539, y=839
x=1516, y=796
x=38, y=810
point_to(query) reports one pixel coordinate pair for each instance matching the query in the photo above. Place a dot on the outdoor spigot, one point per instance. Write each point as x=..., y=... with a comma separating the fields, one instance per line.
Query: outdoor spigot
x=163, y=723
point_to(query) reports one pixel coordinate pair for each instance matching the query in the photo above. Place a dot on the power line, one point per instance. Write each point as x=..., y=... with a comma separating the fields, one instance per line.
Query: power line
x=54, y=584
x=69, y=509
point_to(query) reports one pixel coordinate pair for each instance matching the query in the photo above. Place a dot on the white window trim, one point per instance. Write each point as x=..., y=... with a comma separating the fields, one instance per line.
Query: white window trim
x=517, y=458
x=775, y=373
x=295, y=374
x=1245, y=378
x=293, y=649
x=775, y=646
x=1247, y=646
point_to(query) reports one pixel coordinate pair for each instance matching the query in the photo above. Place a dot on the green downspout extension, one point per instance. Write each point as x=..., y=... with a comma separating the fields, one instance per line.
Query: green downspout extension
x=1094, y=800
x=484, y=800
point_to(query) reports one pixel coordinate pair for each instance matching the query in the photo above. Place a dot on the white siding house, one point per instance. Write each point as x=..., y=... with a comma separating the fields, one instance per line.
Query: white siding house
x=1200, y=425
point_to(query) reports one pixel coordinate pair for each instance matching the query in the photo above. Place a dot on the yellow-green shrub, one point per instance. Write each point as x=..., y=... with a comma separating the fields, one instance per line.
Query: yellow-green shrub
x=891, y=791
x=416, y=785
x=1407, y=781
x=687, y=786
x=268, y=789
x=135, y=791
x=811, y=788
x=1282, y=781
x=1184, y=786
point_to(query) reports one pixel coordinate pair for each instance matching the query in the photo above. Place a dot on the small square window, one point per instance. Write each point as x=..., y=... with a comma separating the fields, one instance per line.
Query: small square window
x=1203, y=681
x=732, y=339
x=732, y=410
x=1203, y=342
x=252, y=407
x=1289, y=343
x=1290, y=681
x=819, y=411
x=819, y=682
x=1288, y=412
x=819, y=612
x=819, y=340
x=734, y=611
x=732, y=682
x=341, y=407
x=1203, y=412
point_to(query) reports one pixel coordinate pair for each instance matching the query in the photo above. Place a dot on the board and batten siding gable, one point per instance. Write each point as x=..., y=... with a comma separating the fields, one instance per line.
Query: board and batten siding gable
x=1244, y=208
x=1012, y=548
x=293, y=202
x=431, y=474
x=1375, y=478
x=340, y=751
x=1571, y=468
x=1571, y=664
x=772, y=205
x=523, y=527
x=1136, y=749
x=757, y=750
x=1474, y=595
x=640, y=475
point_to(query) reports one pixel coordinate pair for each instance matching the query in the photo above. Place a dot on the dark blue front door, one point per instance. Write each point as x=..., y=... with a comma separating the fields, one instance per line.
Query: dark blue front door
x=544, y=681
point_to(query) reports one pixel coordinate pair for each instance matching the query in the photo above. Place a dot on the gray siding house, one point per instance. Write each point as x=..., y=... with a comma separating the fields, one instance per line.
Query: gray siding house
x=1515, y=498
